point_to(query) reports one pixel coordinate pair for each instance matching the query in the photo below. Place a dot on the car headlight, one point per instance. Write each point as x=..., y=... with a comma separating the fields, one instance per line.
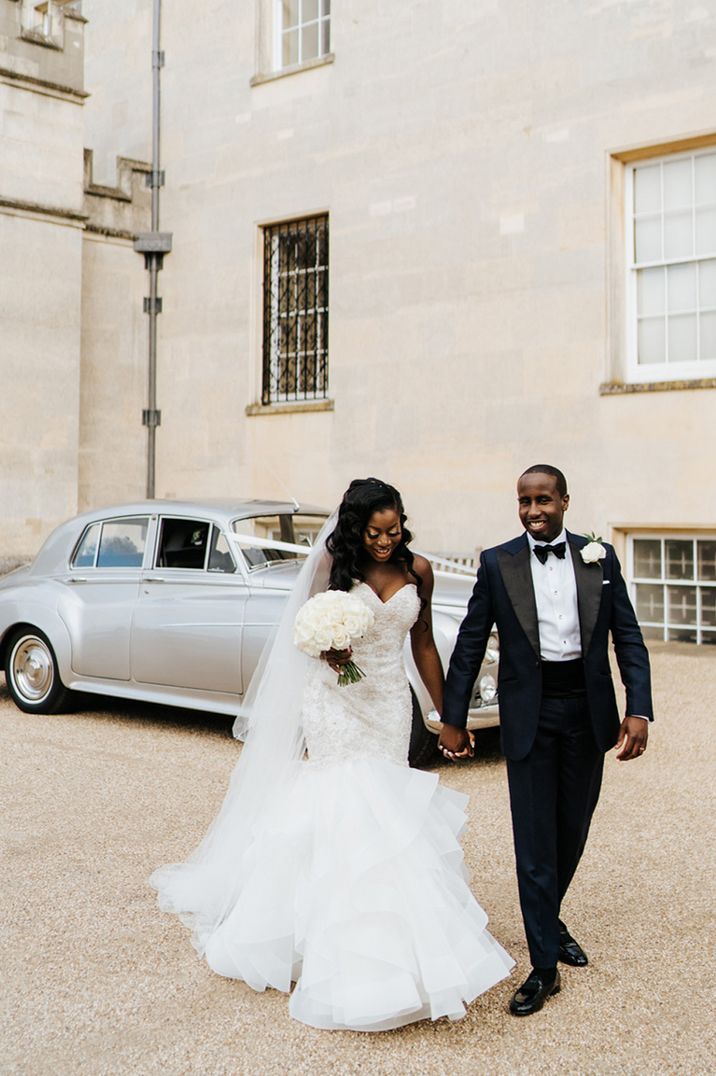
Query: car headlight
x=492, y=653
x=488, y=688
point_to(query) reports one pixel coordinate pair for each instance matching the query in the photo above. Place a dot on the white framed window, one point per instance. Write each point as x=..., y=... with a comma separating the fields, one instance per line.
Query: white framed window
x=671, y=266
x=303, y=31
x=673, y=586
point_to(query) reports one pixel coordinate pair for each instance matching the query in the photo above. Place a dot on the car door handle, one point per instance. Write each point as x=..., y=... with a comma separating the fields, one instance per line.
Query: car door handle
x=77, y=579
x=153, y=579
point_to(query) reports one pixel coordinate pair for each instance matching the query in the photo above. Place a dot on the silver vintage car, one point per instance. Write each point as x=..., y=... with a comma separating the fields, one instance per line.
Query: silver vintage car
x=172, y=602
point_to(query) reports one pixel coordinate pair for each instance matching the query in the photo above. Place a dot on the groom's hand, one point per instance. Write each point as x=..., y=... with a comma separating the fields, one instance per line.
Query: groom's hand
x=456, y=743
x=633, y=734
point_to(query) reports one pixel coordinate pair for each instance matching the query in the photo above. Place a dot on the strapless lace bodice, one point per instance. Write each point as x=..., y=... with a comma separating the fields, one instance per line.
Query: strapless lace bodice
x=371, y=718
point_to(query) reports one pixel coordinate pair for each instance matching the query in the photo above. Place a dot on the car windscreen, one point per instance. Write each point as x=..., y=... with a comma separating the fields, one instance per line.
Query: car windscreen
x=293, y=528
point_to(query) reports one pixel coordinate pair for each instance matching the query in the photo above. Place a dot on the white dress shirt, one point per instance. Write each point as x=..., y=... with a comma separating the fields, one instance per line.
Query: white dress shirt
x=556, y=596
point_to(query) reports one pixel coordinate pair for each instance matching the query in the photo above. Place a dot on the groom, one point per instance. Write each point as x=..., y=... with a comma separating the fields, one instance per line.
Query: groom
x=555, y=598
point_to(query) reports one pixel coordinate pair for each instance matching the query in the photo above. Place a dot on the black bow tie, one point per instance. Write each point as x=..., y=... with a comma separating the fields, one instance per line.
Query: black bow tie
x=543, y=551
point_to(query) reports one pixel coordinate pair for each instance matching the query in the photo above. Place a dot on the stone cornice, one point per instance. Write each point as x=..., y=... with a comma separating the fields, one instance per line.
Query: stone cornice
x=39, y=209
x=30, y=82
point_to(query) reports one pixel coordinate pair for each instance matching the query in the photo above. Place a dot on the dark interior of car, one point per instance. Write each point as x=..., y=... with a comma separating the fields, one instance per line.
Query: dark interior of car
x=182, y=544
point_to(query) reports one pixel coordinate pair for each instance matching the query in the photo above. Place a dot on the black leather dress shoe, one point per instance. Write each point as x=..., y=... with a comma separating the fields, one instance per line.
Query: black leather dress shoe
x=533, y=993
x=570, y=951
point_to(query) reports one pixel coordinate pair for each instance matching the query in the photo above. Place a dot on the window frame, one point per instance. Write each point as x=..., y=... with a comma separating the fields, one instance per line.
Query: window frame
x=270, y=316
x=698, y=584
x=666, y=371
x=95, y=567
x=324, y=18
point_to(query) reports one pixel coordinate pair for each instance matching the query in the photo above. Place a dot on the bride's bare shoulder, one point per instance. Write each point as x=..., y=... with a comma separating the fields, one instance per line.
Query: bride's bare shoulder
x=423, y=568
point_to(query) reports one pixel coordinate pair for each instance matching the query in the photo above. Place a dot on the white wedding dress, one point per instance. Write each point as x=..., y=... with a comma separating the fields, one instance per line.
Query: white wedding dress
x=354, y=886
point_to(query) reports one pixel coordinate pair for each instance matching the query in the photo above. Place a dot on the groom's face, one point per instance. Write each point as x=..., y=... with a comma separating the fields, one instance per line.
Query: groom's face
x=540, y=505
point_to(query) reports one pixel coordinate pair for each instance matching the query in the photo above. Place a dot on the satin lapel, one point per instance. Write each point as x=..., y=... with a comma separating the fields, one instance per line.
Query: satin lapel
x=517, y=577
x=589, y=591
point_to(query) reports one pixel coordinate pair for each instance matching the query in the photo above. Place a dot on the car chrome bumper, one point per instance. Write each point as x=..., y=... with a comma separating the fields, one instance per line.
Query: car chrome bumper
x=483, y=717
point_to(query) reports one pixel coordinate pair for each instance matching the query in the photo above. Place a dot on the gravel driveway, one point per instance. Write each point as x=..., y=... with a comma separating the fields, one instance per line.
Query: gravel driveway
x=95, y=980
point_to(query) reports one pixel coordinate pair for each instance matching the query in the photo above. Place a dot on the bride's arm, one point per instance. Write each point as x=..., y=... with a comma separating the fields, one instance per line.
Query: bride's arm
x=425, y=652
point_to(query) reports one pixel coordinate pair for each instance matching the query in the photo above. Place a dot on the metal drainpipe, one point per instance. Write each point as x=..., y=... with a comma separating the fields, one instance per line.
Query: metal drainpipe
x=154, y=245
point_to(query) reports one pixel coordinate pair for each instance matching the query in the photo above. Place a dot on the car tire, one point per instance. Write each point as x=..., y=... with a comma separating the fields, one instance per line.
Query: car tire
x=32, y=674
x=423, y=743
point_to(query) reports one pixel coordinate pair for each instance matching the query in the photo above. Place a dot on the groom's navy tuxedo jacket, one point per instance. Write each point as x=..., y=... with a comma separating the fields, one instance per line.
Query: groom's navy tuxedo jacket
x=504, y=595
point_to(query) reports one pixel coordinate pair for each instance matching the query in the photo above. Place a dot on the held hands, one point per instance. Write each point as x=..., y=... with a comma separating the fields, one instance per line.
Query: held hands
x=455, y=743
x=633, y=735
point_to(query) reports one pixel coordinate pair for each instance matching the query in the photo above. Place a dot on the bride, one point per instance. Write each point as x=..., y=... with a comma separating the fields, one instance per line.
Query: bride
x=342, y=872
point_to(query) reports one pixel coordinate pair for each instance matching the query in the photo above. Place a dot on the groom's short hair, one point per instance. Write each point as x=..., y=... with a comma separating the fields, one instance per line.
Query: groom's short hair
x=547, y=468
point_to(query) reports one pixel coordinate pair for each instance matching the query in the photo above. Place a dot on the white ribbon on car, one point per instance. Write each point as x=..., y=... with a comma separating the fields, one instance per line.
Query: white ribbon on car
x=252, y=541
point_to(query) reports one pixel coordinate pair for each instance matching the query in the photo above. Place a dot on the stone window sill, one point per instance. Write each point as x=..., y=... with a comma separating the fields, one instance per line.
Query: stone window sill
x=271, y=76
x=290, y=408
x=621, y=388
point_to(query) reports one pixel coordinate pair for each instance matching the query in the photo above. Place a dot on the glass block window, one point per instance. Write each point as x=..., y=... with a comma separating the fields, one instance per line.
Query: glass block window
x=673, y=581
x=304, y=31
x=672, y=266
x=295, y=311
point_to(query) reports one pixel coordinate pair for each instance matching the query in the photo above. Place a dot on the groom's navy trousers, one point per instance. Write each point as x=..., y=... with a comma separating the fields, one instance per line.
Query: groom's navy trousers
x=554, y=743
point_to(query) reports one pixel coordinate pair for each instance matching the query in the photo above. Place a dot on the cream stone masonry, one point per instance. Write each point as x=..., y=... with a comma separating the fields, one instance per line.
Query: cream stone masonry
x=70, y=290
x=469, y=157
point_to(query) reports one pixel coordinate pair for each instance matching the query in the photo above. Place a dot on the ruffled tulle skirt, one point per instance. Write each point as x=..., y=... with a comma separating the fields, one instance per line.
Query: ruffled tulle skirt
x=354, y=888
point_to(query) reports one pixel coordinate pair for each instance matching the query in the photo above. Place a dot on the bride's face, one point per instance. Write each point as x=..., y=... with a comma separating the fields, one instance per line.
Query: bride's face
x=382, y=534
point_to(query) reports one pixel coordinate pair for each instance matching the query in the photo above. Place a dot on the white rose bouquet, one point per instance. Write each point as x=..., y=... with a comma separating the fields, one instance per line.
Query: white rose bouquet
x=331, y=621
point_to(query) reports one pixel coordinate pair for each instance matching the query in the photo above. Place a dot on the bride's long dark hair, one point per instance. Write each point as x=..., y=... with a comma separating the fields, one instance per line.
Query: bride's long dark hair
x=363, y=497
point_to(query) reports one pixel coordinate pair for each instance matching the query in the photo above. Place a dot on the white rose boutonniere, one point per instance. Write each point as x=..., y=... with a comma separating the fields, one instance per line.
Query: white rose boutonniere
x=593, y=551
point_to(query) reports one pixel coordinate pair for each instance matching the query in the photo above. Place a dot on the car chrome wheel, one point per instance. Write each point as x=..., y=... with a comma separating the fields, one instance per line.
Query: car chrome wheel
x=33, y=668
x=32, y=675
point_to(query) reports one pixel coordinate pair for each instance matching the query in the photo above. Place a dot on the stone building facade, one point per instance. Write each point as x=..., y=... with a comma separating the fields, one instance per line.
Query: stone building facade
x=70, y=283
x=519, y=202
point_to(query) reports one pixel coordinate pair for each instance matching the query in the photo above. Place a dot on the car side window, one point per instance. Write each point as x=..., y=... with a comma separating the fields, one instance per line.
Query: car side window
x=121, y=543
x=220, y=559
x=86, y=551
x=183, y=544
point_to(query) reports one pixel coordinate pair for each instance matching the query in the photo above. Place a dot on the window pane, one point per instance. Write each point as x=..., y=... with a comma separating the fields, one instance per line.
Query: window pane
x=309, y=42
x=652, y=633
x=309, y=10
x=289, y=13
x=679, y=558
x=289, y=52
x=708, y=638
x=707, y=328
x=682, y=635
x=707, y=284
x=220, y=559
x=682, y=287
x=707, y=560
x=708, y=607
x=706, y=178
x=326, y=7
x=647, y=558
x=650, y=603
x=650, y=291
x=647, y=189
x=682, y=605
x=705, y=231
x=682, y=338
x=122, y=544
x=84, y=557
x=677, y=184
x=678, y=240
x=325, y=37
x=651, y=342
x=183, y=544
x=647, y=239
